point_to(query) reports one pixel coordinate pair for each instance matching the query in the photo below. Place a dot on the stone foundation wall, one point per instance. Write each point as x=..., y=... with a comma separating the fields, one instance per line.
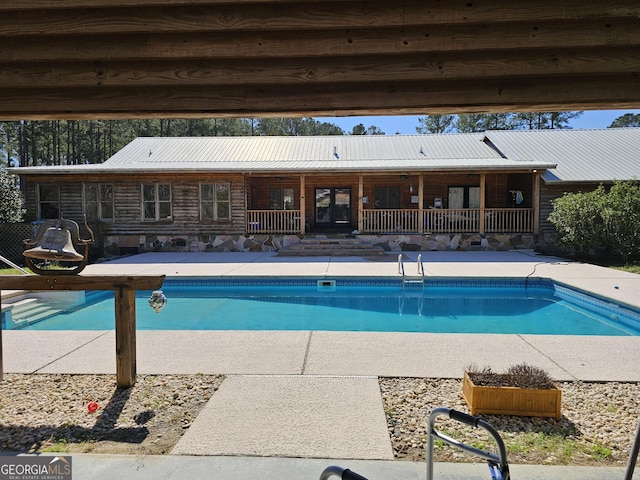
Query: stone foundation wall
x=130, y=244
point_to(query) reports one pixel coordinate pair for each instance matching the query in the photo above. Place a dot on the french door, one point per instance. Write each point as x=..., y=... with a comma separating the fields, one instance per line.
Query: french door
x=332, y=207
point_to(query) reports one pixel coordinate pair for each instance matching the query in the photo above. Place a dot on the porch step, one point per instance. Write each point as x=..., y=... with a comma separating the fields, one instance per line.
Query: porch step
x=334, y=247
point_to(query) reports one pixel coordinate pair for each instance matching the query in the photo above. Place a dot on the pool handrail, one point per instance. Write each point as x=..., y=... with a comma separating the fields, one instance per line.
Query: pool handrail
x=13, y=265
x=406, y=279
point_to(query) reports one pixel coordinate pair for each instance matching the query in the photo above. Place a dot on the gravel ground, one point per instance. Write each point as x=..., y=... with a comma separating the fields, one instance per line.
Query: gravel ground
x=50, y=413
x=597, y=427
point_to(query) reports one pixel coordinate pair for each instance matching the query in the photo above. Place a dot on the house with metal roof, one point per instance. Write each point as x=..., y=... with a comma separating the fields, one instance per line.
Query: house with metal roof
x=489, y=190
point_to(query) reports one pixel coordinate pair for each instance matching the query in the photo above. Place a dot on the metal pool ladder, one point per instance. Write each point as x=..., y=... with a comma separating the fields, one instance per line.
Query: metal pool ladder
x=417, y=279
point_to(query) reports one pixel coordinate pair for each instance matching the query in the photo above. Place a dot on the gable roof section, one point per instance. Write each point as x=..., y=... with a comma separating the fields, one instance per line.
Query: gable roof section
x=581, y=155
x=367, y=153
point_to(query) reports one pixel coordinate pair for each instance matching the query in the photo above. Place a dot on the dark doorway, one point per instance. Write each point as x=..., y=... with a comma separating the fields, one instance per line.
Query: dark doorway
x=332, y=208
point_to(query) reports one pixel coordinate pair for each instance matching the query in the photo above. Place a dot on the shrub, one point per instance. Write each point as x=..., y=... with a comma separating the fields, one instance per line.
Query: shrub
x=578, y=220
x=600, y=221
x=11, y=210
x=520, y=376
x=621, y=216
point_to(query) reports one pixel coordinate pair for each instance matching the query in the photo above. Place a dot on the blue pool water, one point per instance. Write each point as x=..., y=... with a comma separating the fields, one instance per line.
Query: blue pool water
x=452, y=306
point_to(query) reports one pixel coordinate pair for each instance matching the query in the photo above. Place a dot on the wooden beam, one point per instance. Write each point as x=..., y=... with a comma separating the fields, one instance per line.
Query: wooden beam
x=83, y=59
x=65, y=4
x=472, y=66
x=81, y=282
x=428, y=97
x=302, y=16
x=323, y=43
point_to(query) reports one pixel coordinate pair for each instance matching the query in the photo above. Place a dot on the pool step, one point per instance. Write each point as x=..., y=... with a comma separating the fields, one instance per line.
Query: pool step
x=335, y=247
x=29, y=310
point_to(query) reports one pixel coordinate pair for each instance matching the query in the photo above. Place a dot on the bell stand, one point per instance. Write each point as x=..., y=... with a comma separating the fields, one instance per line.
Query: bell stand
x=124, y=288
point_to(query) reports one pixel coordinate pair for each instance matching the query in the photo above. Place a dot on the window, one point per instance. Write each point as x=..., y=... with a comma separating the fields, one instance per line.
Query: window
x=215, y=201
x=48, y=201
x=156, y=202
x=387, y=197
x=281, y=199
x=98, y=201
x=464, y=197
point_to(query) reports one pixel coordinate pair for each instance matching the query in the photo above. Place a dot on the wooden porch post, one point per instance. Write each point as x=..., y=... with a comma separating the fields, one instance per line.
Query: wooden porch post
x=360, y=205
x=421, y=203
x=536, y=202
x=303, y=213
x=125, y=306
x=483, y=188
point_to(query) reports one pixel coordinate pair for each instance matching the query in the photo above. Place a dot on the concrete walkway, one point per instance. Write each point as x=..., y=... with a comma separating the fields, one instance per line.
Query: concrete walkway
x=314, y=394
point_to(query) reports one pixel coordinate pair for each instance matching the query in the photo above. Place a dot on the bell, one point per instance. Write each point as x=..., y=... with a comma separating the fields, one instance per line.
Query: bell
x=56, y=244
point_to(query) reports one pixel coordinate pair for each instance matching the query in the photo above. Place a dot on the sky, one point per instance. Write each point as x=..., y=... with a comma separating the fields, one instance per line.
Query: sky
x=406, y=125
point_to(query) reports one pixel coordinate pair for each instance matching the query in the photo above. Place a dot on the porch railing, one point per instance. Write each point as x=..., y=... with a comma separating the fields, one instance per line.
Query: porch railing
x=464, y=220
x=509, y=220
x=273, y=221
x=390, y=220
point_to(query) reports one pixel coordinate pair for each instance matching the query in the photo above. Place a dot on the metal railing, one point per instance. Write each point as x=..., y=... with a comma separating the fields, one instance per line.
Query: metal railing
x=418, y=278
x=13, y=265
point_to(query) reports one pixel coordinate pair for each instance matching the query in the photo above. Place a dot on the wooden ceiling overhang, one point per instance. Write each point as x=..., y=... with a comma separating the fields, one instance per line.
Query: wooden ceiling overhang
x=83, y=59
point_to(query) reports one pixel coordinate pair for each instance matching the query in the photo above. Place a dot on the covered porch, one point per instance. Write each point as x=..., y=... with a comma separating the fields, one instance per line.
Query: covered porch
x=447, y=203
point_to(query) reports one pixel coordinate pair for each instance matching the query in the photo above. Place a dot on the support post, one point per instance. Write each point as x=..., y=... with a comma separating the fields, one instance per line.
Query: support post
x=483, y=206
x=421, y=204
x=360, y=204
x=124, y=288
x=125, y=306
x=303, y=206
x=536, y=202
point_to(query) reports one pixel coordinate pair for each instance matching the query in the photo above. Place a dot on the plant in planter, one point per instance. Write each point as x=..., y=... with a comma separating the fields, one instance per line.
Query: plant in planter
x=521, y=390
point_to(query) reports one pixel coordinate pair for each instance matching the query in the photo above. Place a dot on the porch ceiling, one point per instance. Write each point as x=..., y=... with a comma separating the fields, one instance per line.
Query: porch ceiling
x=80, y=59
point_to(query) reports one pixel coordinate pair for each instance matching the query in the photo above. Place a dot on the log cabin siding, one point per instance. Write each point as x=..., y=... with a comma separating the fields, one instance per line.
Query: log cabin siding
x=549, y=192
x=128, y=205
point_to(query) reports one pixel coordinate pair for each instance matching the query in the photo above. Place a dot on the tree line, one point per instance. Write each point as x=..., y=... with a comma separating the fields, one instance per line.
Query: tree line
x=73, y=142
x=480, y=122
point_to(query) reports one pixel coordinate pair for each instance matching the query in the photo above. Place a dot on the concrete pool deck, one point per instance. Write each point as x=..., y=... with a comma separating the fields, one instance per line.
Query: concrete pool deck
x=323, y=400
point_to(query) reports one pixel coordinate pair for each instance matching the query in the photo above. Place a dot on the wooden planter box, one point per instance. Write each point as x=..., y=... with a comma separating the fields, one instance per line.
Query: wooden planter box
x=511, y=400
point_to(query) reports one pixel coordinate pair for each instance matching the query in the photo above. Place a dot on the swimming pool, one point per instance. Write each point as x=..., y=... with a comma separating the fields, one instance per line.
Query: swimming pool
x=514, y=306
